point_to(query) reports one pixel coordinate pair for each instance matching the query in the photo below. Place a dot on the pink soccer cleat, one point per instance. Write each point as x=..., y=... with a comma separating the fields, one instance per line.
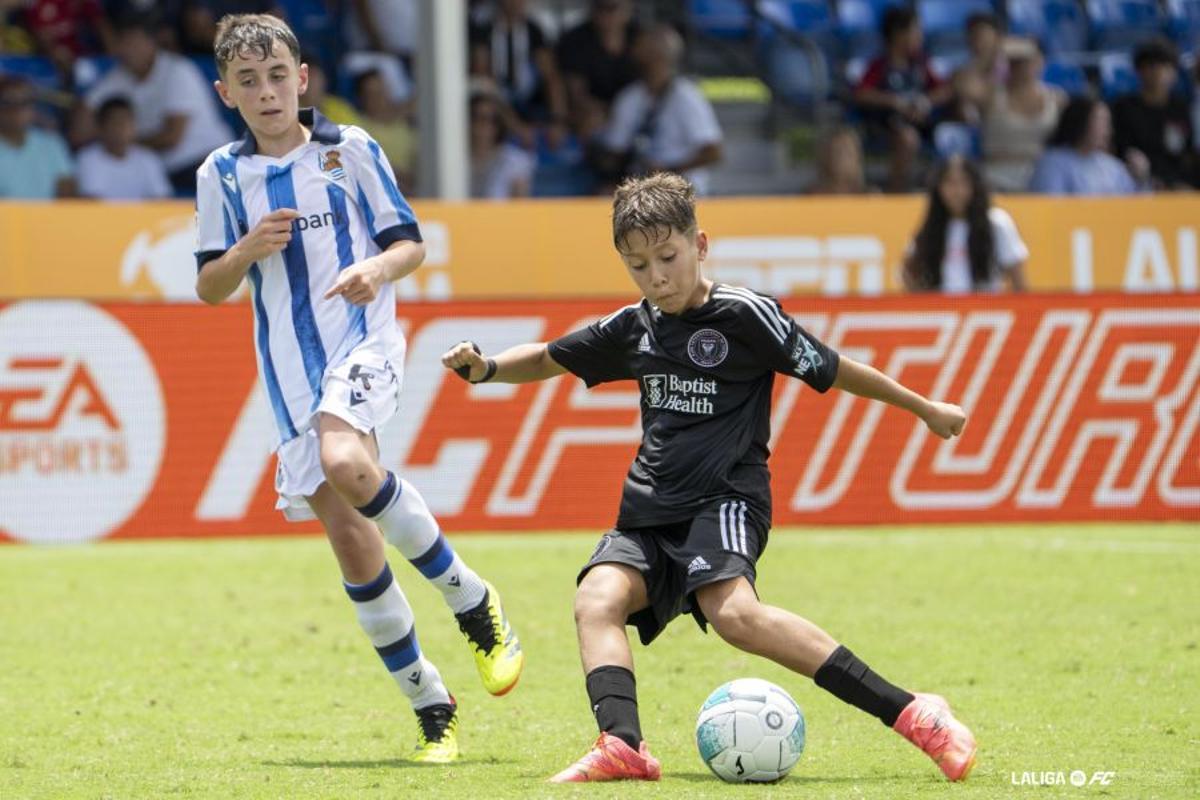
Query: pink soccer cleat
x=610, y=759
x=928, y=723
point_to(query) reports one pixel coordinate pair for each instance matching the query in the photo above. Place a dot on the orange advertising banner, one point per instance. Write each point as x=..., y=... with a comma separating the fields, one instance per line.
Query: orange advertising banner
x=562, y=249
x=141, y=420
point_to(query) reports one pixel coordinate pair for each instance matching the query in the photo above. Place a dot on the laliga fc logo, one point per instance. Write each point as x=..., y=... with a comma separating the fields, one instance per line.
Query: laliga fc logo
x=160, y=262
x=81, y=422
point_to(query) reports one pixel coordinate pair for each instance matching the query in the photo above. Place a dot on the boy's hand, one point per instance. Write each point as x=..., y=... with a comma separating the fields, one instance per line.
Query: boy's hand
x=360, y=283
x=466, y=360
x=945, y=419
x=270, y=235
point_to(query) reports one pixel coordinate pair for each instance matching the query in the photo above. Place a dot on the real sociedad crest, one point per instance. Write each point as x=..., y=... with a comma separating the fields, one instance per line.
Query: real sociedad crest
x=707, y=348
x=331, y=164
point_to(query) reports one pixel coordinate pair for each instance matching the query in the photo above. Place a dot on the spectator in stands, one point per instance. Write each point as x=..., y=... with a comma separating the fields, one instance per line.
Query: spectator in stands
x=958, y=130
x=34, y=163
x=662, y=122
x=316, y=95
x=499, y=168
x=196, y=24
x=985, y=43
x=173, y=104
x=899, y=93
x=117, y=167
x=840, y=164
x=387, y=122
x=965, y=243
x=1022, y=115
x=385, y=26
x=67, y=29
x=514, y=51
x=1153, y=121
x=597, y=62
x=1077, y=160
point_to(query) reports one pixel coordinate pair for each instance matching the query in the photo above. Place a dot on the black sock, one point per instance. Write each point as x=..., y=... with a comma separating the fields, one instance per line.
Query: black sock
x=853, y=682
x=613, y=693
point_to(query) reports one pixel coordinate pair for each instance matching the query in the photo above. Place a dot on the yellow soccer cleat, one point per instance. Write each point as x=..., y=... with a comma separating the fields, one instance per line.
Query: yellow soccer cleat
x=437, y=734
x=497, y=651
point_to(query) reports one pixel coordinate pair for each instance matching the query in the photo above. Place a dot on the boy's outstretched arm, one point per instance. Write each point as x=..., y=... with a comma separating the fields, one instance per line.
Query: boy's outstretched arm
x=524, y=363
x=944, y=419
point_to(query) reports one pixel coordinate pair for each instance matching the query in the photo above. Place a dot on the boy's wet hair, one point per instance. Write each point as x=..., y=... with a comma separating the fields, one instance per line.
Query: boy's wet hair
x=655, y=206
x=243, y=35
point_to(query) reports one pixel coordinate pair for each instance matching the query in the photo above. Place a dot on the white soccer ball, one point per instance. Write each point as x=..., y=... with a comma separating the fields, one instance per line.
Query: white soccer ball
x=750, y=730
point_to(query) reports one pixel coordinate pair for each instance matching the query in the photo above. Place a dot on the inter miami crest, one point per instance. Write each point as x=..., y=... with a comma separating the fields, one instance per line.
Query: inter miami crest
x=707, y=348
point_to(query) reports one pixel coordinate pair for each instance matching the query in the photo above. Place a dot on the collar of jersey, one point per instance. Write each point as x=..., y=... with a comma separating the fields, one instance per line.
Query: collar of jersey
x=323, y=131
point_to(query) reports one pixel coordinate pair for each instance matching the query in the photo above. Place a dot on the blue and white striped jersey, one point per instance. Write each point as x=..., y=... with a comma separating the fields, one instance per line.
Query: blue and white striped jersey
x=351, y=209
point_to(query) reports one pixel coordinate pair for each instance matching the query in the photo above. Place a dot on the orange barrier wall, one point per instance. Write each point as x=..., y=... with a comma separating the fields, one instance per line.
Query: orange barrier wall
x=128, y=420
x=562, y=249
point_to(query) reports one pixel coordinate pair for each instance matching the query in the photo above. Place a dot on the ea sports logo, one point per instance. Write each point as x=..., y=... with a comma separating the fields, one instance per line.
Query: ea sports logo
x=81, y=422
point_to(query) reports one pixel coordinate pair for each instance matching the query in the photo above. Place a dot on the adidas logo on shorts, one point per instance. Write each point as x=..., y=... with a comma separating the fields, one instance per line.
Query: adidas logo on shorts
x=698, y=565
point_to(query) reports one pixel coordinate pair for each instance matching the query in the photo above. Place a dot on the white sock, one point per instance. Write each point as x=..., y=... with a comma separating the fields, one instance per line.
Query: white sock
x=384, y=613
x=400, y=512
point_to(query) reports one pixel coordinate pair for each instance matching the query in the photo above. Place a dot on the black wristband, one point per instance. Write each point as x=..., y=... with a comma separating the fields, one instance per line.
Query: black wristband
x=488, y=373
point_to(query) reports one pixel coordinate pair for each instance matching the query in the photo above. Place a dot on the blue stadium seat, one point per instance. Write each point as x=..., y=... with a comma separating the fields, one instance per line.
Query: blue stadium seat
x=858, y=25
x=1120, y=24
x=35, y=69
x=723, y=19
x=1117, y=76
x=1183, y=22
x=88, y=70
x=796, y=74
x=945, y=21
x=1067, y=75
x=813, y=19
x=1027, y=18
x=1066, y=27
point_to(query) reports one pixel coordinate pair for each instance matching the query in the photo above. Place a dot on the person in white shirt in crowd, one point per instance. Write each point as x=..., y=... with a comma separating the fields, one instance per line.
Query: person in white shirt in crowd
x=1078, y=158
x=116, y=167
x=1022, y=115
x=500, y=169
x=172, y=102
x=965, y=244
x=662, y=122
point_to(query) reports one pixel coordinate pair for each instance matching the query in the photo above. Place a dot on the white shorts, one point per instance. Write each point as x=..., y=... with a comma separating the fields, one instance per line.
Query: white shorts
x=362, y=390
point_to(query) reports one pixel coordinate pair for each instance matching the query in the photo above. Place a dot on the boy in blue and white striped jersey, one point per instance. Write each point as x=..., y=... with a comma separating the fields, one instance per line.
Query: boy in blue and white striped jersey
x=309, y=212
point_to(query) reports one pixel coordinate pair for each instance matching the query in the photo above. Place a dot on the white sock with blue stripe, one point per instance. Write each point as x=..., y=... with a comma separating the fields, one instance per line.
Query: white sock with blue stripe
x=384, y=613
x=400, y=512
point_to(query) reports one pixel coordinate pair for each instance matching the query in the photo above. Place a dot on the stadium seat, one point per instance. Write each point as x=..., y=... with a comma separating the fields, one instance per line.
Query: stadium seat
x=858, y=25
x=88, y=70
x=1117, y=76
x=945, y=22
x=1027, y=18
x=796, y=74
x=1120, y=24
x=723, y=19
x=1183, y=22
x=813, y=19
x=1067, y=75
x=1066, y=27
x=37, y=70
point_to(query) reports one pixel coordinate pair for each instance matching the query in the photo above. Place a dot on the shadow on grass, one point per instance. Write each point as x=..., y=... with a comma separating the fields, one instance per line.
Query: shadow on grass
x=793, y=780
x=397, y=763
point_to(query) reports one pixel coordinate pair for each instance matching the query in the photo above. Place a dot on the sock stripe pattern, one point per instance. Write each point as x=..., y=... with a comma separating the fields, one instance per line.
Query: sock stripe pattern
x=364, y=593
x=383, y=499
x=436, y=560
x=399, y=654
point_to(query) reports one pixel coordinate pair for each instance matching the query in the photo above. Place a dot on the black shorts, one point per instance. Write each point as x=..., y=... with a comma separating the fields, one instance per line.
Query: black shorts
x=725, y=540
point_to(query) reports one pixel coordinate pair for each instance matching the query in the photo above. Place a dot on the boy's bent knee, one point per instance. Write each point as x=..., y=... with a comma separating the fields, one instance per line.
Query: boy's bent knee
x=350, y=471
x=595, y=602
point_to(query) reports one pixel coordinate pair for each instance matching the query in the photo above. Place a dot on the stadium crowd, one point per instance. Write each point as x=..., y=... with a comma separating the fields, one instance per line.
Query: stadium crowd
x=112, y=98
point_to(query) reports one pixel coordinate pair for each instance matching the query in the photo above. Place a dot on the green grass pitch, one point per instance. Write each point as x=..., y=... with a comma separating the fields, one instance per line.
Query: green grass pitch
x=230, y=669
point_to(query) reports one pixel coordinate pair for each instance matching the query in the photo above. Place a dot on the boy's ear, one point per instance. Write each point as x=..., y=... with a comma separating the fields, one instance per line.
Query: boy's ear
x=701, y=245
x=223, y=93
x=302, y=84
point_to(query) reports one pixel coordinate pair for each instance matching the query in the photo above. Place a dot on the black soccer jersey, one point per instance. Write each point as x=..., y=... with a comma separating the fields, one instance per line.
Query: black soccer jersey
x=706, y=377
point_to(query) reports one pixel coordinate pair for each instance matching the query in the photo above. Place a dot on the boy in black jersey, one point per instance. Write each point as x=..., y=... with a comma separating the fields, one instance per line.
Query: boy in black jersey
x=696, y=506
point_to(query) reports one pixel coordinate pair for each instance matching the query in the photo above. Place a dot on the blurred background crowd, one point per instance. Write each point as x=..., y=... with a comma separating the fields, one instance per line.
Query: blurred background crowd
x=112, y=98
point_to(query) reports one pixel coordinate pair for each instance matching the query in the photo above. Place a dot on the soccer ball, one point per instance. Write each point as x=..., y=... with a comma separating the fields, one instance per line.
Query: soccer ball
x=750, y=730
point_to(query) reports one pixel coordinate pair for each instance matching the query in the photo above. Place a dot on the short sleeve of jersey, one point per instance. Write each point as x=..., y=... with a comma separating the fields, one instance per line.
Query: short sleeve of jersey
x=389, y=217
x=785, y=346
x=215, y=228
x=598, y=353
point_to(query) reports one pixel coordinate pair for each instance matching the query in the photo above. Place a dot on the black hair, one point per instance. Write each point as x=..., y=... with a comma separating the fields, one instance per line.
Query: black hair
x=983, y=18
x=1153, y=52
x=251, y=34
x=1073, y=123
x=113, y=104
x=896, y=19
x=924, y=265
